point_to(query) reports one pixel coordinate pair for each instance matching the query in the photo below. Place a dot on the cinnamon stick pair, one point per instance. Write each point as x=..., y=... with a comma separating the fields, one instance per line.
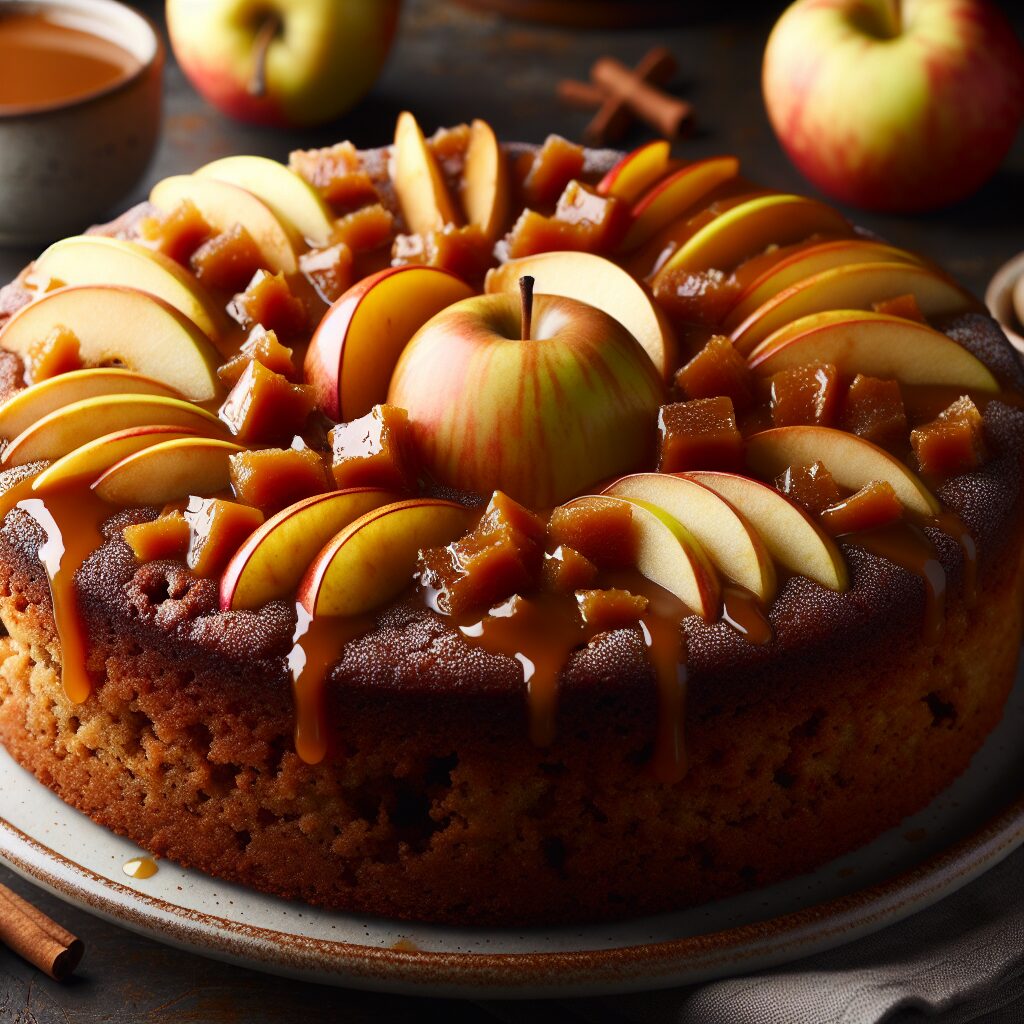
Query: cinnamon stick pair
x=34, y=937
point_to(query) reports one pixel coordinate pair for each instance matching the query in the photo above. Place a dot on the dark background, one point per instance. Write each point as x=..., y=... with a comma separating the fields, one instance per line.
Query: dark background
x=449, y=65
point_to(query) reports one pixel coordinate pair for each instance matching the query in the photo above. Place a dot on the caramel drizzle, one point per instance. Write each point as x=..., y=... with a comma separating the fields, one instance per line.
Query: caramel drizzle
x=140, y=867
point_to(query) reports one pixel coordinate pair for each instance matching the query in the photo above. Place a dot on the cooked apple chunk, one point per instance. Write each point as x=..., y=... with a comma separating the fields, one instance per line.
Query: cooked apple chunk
x=811, y=486
x=177, y=233
x=805, y=395
x=273, y=478
x=463, y=251
x=717, y=369
x=565, y=570
x=500, y=557
x=700, y=434
x=954, y=442
x=217, y=529
x=603, y=610
x=874, y=505
x=600, y=529
x=264, y=406
x=553, y=166
x=164, y=537
x=365, y=229
x=269, y=302
x=374, y=451
x=873, y=409
x=228, y=260
x=56, y=353
x=262, y=347
x=328, y=270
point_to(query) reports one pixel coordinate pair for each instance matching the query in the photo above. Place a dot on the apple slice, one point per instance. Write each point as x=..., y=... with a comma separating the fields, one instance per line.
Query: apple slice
x=65, y=429
x=167, y=471
x=485, y=187
x=806, y=262
x=24, y=407
x=271, y=563
x=373, y=558
x=854, y=286
x=636, y=172
x=749, y=228
x=852, y=461
x=422, y=192
x=121, y=325
x=669, y=555
x=671, y=197
x=223, y=206
x=87, y=462
x=877, y=345
x=792, y=537
x=733, y=546
x=353, y=353
x=601, y=283
x=97, y=259
x=290, y=198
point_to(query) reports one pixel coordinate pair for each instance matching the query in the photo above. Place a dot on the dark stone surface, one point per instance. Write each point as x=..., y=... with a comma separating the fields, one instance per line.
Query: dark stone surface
x=449, y=65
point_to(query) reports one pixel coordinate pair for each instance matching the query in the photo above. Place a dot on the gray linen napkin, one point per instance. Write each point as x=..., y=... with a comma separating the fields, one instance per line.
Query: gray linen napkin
x=959, y=961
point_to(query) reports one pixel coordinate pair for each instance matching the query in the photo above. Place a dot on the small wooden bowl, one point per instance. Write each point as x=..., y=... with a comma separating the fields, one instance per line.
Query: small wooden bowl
x=65, y=165
x=999, y=299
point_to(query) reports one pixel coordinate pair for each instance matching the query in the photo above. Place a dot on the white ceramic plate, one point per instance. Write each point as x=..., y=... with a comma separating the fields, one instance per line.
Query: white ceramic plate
x=968, y=829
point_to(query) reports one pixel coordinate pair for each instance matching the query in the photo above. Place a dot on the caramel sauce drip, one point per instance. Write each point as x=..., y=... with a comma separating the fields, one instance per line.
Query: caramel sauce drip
x=140, y=867
x=317, y=644
x=906, y=545
x=746, y=614
x=70, y=519
x=45, y=62
x=950, y=523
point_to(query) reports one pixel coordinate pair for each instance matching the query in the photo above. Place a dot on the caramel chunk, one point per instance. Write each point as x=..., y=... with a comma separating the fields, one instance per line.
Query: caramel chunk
x=268, y=301
x=337, y=173
x=603, y=610
x=449, y=144
x=873, y=409
x=263, y=347
x=902, y=305
x=273, y=478
x=328, y=270
x=374, y=450
x=264, y=406
x=554, y=165
x=700, y=434
x=178, y=233
x=465, y=251
x=164, y=537
x=954, y=442
x=717, y=369
x=227, y=260
x=364, y=229
x=696, y=297
x=810, y=486
x=874, y=505
x=500, y=557
x=217, y=529
x=600, y=529
x=52, y=355
x=566, y=570
x=805, y=395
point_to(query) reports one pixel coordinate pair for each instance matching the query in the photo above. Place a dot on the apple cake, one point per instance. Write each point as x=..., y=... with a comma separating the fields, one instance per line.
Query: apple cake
x=494, y=534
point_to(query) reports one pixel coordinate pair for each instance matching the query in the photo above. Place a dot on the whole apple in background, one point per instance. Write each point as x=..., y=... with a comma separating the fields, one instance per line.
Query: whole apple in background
x=537, y=397
x=282, y=62
x=895, y=106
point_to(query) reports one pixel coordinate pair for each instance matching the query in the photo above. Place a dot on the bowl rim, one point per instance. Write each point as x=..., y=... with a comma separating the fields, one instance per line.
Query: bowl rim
x=85, y=8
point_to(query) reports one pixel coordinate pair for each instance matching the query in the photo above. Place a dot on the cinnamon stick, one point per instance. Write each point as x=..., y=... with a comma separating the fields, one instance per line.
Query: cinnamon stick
x=27, y=931
x=666, y=114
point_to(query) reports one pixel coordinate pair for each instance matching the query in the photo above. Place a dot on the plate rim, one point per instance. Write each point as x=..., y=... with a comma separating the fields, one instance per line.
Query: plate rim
x=643, y=966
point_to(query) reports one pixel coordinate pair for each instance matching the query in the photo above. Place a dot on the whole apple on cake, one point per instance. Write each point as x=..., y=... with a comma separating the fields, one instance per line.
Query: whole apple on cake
x=498, y=534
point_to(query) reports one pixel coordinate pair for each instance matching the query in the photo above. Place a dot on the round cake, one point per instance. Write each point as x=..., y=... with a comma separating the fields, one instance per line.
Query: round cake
x=505, y=535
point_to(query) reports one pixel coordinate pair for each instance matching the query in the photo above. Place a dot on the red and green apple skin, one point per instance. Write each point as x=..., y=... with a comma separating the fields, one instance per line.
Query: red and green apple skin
x=894, y=106
x=324, y=57
x=541, y=419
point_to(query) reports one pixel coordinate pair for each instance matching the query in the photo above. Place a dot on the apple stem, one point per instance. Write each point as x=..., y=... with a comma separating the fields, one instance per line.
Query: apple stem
x=265, y=35
x=895, y=17
x=526, y=293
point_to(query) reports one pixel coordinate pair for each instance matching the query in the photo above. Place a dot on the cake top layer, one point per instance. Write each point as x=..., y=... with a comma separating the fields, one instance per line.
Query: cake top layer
x=517, y=406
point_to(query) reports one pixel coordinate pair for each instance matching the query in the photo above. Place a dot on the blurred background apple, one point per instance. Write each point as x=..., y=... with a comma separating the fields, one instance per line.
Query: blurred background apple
x=287, y=63
x=895, y=105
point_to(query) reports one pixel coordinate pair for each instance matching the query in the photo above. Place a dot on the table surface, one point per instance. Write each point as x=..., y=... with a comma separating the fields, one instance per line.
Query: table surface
x=449, y=65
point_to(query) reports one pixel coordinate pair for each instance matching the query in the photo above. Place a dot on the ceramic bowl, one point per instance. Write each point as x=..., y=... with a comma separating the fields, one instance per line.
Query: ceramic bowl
x=1000, y=301
x=63, y=166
